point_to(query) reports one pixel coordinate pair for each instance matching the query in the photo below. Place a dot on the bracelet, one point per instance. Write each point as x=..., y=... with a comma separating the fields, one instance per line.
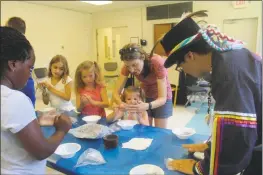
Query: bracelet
x=150, y=106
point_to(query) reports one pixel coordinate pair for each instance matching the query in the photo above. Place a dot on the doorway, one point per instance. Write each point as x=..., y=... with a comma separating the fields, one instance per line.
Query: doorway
x=109, y=42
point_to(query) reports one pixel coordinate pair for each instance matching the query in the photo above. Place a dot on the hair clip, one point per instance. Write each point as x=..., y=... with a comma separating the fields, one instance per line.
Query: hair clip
x=128, y=50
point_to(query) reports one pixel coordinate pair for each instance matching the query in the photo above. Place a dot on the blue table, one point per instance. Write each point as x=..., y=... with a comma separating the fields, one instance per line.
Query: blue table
x=120, y=161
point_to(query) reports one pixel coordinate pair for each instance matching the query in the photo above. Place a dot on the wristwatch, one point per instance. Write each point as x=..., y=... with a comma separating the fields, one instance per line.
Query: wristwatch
x=150, y=106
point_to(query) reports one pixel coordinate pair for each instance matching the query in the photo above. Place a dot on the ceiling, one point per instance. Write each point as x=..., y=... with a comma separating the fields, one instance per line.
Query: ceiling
x=89, y=8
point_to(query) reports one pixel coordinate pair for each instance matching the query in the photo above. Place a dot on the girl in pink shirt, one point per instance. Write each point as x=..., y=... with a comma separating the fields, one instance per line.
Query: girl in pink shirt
x=150, y=71
x=91, y=94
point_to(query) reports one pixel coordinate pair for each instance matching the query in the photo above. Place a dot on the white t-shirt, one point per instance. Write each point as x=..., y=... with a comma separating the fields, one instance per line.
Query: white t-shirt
x=58, y=102
x=17, y=112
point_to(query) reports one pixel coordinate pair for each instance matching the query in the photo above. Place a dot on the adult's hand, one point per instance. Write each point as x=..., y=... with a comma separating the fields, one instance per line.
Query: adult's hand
x=182, y=165
x=122, y=106
x=140, y=107
x=195, y=147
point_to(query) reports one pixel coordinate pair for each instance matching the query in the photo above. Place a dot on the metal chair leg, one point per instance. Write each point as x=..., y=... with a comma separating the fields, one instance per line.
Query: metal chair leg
x=188, y=101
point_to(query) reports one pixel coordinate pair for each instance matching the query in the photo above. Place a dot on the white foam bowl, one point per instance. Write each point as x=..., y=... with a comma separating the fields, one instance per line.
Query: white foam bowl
x=91, y=118
x=127, y=124
x=67, y=150
x=183, y=133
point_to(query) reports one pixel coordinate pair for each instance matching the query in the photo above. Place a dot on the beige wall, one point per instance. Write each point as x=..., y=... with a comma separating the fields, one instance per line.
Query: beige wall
x=49, y=29
x=221, y=10
x=137, y=24
x=128, y=17
x=135, y=19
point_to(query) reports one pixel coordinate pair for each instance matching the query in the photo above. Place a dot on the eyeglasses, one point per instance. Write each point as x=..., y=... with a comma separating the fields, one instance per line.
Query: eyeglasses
x=178, y=68
x=128, y=50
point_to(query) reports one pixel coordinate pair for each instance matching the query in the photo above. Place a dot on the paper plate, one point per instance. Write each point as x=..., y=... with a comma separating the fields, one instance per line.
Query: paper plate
x=146, y=169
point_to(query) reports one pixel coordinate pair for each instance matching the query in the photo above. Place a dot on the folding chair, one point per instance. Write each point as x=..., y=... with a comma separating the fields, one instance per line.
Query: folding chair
x=111, y=71
x=194, y=90
x=40, y=74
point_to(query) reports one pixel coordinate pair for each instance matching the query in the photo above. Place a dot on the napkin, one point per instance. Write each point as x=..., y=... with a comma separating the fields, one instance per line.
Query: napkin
x=137, y=143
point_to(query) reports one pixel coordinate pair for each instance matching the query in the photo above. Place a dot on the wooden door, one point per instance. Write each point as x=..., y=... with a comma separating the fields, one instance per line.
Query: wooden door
x=159, y=31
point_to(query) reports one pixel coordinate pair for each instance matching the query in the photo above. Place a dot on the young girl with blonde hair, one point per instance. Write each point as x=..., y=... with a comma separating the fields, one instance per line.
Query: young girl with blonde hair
x=132, y=96
x=57, y=89
x=91, y=94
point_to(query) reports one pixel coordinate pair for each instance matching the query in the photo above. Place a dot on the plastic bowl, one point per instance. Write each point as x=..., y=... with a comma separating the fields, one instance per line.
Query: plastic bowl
x=91, y=118
x=67, y=150
x=183, y=133
x=127, y=124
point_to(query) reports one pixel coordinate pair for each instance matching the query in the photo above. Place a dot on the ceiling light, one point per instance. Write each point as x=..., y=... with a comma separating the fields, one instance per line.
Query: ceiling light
x=98, y=2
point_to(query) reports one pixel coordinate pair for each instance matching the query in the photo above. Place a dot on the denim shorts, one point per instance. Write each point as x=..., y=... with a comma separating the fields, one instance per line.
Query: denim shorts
x=163, y=111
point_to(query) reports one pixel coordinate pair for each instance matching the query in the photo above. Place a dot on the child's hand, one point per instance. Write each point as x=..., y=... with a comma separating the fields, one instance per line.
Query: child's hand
x=45, y=85
x=84, y=100
x=91, y=101
x=121, y=106
x=41, y=87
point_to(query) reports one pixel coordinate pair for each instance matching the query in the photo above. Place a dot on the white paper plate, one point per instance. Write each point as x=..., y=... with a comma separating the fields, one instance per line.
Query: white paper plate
x=91, y=118
x=90, y=131
x=146, y=169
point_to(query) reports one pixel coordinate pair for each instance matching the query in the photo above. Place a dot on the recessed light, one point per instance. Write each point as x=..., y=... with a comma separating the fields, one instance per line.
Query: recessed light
x=98, y=2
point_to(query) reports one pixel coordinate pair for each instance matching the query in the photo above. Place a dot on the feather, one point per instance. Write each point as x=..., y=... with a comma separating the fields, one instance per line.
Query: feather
x=200, y=13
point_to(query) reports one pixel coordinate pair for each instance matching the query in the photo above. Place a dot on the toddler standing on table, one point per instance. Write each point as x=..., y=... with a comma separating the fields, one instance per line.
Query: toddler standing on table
x=133, y=96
